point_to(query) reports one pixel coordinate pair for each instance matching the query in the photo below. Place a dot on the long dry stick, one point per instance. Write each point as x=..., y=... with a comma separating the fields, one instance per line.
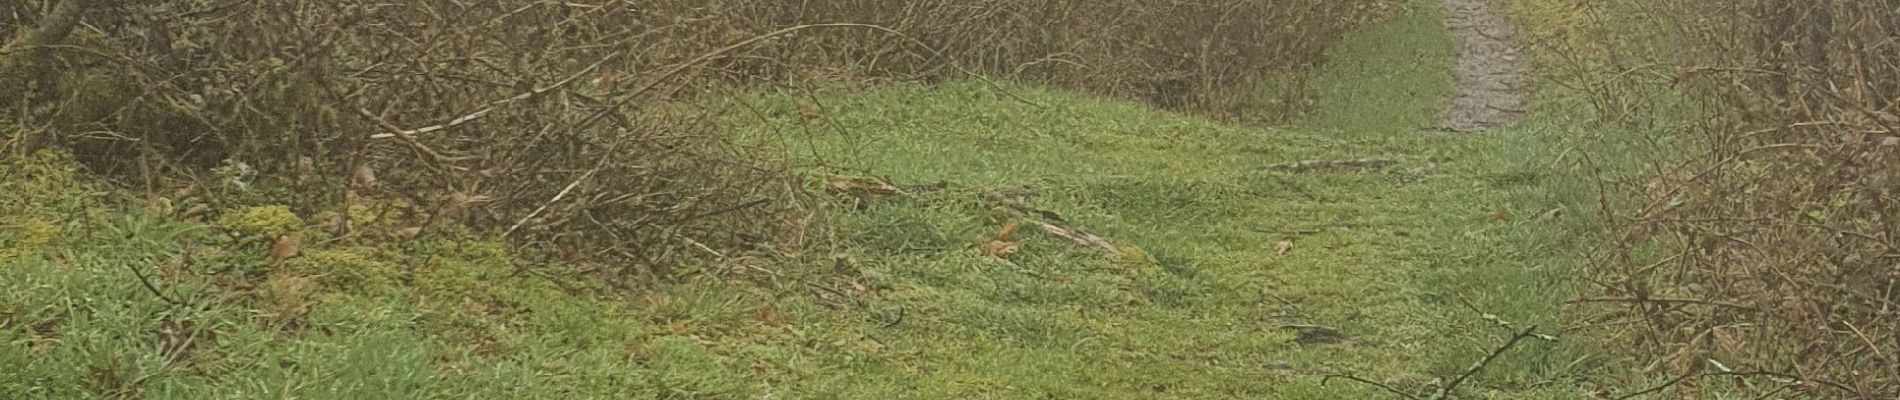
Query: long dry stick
x=149, y=287
x=492, y=106
x=1488, y=358
x=1402, y=394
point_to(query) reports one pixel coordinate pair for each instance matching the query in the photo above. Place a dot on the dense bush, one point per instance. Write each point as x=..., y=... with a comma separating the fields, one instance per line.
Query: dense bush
x=575, y=125
x=1769, y=243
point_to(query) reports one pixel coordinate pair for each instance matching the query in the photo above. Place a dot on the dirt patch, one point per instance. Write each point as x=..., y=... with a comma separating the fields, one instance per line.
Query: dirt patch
x=1492, y=87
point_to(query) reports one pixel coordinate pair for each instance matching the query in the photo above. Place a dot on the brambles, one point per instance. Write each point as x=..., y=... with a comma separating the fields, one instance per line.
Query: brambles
x=586, y=124
x=1767, y=241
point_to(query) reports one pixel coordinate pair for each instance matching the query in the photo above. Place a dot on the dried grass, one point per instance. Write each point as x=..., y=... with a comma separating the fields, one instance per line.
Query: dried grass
x=1771, y=246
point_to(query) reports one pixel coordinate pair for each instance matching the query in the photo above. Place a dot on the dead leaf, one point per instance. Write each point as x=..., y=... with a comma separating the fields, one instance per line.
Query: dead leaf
x=284, y=248
x=771, y=317
x=330, y=221
x=409, y=233
x=809, y=113
x=1001, y=249
x=861, y=186
x=196, y=210
x=363, y=176
x=1554, y=213
x=458, y=201
x=186, y=192
x=760, y=368
x=159, y=205
x=1284, y=247
x=1007, y=231
x=1501, y=216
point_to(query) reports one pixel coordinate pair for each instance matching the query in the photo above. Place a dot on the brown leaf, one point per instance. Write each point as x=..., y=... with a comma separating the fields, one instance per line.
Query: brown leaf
x=809, y=113
x=1501, y=216
x=284, y=248
x=861, y=186
x=1007, y=231
x=159, y=205
x=196, y=210
x=1001, y=249
x=186, y=192
x=455, y=200
x=771, y=317
x=330, y=221
x=458, y=201
x=1282, y=248
x=409, y=233
x=363, y=176
x=1554, y=213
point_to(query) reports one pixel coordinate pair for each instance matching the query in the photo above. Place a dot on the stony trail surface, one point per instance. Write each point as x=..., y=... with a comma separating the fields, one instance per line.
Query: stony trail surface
x=1492, y=74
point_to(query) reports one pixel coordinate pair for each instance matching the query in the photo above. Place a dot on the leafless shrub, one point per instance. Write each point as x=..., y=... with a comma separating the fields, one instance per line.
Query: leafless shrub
x=1771, y=246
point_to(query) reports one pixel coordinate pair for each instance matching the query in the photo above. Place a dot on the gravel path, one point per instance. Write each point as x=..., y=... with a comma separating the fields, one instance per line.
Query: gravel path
x=1492, y=75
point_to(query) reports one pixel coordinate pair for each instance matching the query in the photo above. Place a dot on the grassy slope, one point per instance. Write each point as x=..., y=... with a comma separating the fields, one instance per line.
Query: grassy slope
x=1398, y=254
x=892, y=302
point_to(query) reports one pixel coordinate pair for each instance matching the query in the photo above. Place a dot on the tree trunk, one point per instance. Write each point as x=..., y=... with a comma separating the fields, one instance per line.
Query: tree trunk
x=22, y=62
x=26, y=70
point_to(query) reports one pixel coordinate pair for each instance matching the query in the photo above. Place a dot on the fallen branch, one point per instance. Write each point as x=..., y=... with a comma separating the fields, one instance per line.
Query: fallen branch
x=1363, y=164
x=1659, y=300
x=1048, y=221
x=1053, y=224
x=1080, y=236
x=149, y=287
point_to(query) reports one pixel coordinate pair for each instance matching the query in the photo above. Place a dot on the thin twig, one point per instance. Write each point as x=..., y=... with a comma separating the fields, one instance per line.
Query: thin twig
x=492, y=106
x=1488, y=358
x=147, y=282
x=1659, y=300
x=1381, y=386
x=557, y=198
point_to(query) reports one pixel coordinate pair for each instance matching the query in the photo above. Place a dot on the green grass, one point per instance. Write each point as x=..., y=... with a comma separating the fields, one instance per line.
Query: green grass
x=1397, y=258
x=893, y=300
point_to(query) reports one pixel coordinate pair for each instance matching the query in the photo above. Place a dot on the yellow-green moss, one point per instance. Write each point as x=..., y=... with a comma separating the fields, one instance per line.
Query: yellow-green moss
x=348, y=270
x=1135, y=257
x=25, y=236
x=38, y=188
x=336, y=308
x=38, y=178
x=462, y=270
x=261, y=221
